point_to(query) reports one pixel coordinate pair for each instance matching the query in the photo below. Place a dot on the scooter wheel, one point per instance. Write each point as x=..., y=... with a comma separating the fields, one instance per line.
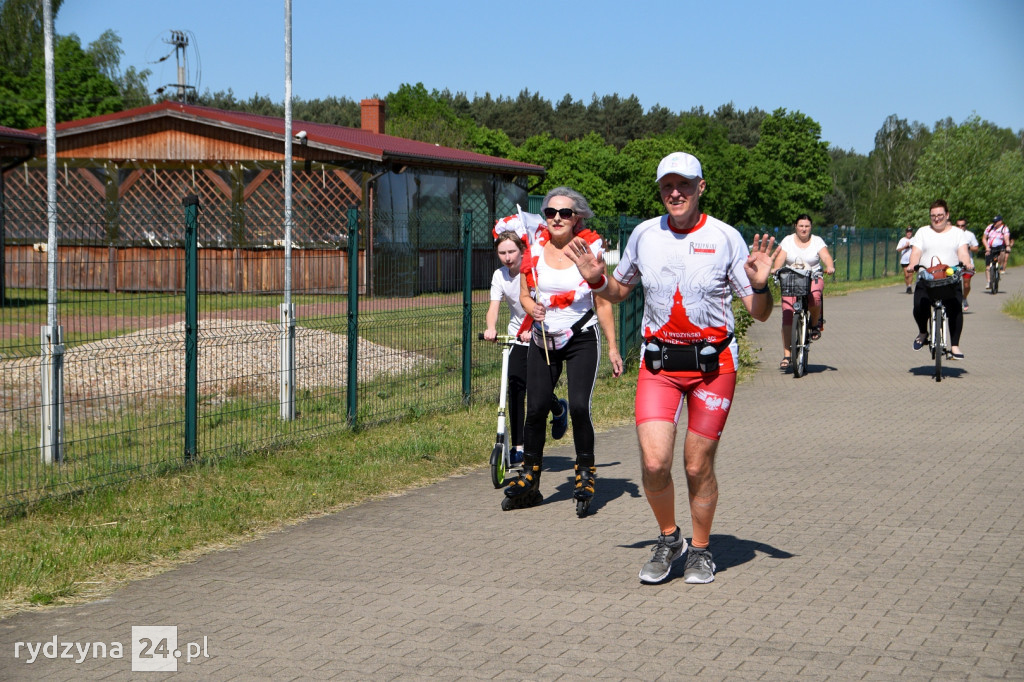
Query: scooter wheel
x=497, y=466
x=582, y=507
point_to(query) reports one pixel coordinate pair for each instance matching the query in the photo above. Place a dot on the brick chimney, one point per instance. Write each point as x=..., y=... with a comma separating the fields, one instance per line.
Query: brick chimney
x=372, y=115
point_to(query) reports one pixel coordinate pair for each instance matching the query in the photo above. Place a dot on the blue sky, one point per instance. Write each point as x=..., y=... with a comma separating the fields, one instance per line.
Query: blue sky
x=848, y=65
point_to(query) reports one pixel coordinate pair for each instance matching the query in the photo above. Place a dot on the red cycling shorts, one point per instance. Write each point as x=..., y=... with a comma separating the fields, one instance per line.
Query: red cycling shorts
x=659, y=397
x=817, y=290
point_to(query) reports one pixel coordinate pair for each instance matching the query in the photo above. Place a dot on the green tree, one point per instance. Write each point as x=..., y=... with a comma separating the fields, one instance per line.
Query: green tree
x=491, y=142
x=659, y=120
x=570, y=119
x=977, y=167
x=340, y=111
x=133, y=85
x=744, y=126
x=590, y=166
x=638, y=191
x=789, y=169
x=416, y=114
x=21, y=35
x=81, y=90
x=617, y=120
x=542, y=150
x=892, y=163
x=850, y=173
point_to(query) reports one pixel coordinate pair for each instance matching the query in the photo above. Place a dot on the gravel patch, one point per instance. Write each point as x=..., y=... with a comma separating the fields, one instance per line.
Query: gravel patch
x=235, y=357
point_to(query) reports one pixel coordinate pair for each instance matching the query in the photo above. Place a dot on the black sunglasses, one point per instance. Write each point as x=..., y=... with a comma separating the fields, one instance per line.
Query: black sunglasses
x=563, y=213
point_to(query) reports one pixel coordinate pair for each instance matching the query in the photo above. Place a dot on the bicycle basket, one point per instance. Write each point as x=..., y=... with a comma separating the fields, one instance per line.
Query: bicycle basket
x=794, y=283
x=941, y=289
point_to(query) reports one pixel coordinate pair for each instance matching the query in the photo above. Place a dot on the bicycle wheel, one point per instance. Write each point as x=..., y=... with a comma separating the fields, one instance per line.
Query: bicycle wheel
x=937, y=341
x=798, y=348
x=995, y=278
x=497, y=465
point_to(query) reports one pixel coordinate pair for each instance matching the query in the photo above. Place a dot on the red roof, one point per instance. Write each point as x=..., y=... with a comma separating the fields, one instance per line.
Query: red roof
x=15, y=135
x=349, y=141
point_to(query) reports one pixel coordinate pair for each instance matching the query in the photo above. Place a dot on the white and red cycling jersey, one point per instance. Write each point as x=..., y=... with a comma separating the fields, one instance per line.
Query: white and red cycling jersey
x=564, y=293
x=689, y=280
x=996, y=236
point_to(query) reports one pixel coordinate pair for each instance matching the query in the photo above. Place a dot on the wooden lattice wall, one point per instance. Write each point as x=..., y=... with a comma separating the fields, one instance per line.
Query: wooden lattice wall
x=241, y=203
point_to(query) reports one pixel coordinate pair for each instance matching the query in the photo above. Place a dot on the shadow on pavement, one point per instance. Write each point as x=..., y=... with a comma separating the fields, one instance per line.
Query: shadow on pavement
x=947, y=371
x=728, y=551
x=608, y=489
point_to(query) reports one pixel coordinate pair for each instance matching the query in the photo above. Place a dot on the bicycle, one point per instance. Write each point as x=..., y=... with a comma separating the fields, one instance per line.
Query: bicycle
x=938, y=324
x=797, y=282
x=993, y=275
x=500, y=462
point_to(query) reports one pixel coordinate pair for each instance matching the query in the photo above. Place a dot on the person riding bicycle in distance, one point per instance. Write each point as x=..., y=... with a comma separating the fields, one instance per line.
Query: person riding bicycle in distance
x=996, y=240
x=803, y=251
x=939, y=242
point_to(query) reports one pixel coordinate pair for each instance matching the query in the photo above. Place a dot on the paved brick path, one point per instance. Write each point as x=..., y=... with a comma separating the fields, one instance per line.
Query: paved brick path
x=870, y=526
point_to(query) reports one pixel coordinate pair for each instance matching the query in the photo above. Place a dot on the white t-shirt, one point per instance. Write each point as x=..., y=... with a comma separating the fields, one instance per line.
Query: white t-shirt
x=808, y=254
x=904, y=248
x=972, y=241
x=938, y=247
x=506, y=287
x=689, y=279
x=565, y=295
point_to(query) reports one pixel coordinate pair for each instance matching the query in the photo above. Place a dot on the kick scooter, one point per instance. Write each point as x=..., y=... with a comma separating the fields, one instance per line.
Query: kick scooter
x=501, y=465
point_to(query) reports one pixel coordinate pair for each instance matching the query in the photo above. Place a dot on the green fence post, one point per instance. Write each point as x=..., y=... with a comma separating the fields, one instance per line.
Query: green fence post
x=351, y=394
x=874, y=254
x=622, y=309
x=467, y=306
x=849, y=258
x=191, y=203
x=885, y=265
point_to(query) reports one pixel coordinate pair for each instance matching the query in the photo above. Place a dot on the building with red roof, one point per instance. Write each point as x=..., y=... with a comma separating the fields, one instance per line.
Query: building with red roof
x=120, y=174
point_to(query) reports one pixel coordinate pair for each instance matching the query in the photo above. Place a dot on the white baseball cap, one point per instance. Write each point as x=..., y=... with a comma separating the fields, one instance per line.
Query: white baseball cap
x=680, y=163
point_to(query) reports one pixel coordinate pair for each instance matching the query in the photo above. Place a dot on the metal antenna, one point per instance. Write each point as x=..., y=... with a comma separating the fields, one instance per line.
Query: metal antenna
x=180, y=41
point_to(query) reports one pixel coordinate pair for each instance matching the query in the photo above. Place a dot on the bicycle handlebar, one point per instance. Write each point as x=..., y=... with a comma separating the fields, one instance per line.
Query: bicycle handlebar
x=815, y=272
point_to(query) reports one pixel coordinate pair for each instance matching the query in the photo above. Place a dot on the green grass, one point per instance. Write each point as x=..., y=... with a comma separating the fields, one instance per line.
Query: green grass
x=80, y=547
x=1015, y=307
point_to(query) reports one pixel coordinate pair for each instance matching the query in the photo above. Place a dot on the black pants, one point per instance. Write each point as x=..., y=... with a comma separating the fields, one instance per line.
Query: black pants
x=954, y=306
x=580, y=358
x=517, y=364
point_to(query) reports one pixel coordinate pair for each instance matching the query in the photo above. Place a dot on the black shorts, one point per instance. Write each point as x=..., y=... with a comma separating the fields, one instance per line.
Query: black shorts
x=992, y=254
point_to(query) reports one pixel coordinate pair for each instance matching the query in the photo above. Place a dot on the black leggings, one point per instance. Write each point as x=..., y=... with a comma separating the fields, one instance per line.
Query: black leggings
x=580, y=357
x=954, y=312
x=517, y=363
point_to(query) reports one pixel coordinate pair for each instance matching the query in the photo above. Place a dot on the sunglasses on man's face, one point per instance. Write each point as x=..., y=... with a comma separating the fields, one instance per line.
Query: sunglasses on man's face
x=563, y=213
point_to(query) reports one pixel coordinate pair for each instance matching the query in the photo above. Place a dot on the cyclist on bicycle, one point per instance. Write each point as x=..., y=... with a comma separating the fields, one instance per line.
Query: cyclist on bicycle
x=939, y=242
x=804, y=251
x=995, y=239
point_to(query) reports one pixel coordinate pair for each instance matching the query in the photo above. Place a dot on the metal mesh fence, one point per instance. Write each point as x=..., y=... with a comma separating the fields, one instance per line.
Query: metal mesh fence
x=393, y=346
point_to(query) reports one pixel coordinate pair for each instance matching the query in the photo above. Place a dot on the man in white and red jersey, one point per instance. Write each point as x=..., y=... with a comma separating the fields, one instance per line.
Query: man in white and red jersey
x=690, y=265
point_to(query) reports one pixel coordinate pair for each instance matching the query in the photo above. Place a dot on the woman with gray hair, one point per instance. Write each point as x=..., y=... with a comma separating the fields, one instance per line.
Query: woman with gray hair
x=565, y=337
